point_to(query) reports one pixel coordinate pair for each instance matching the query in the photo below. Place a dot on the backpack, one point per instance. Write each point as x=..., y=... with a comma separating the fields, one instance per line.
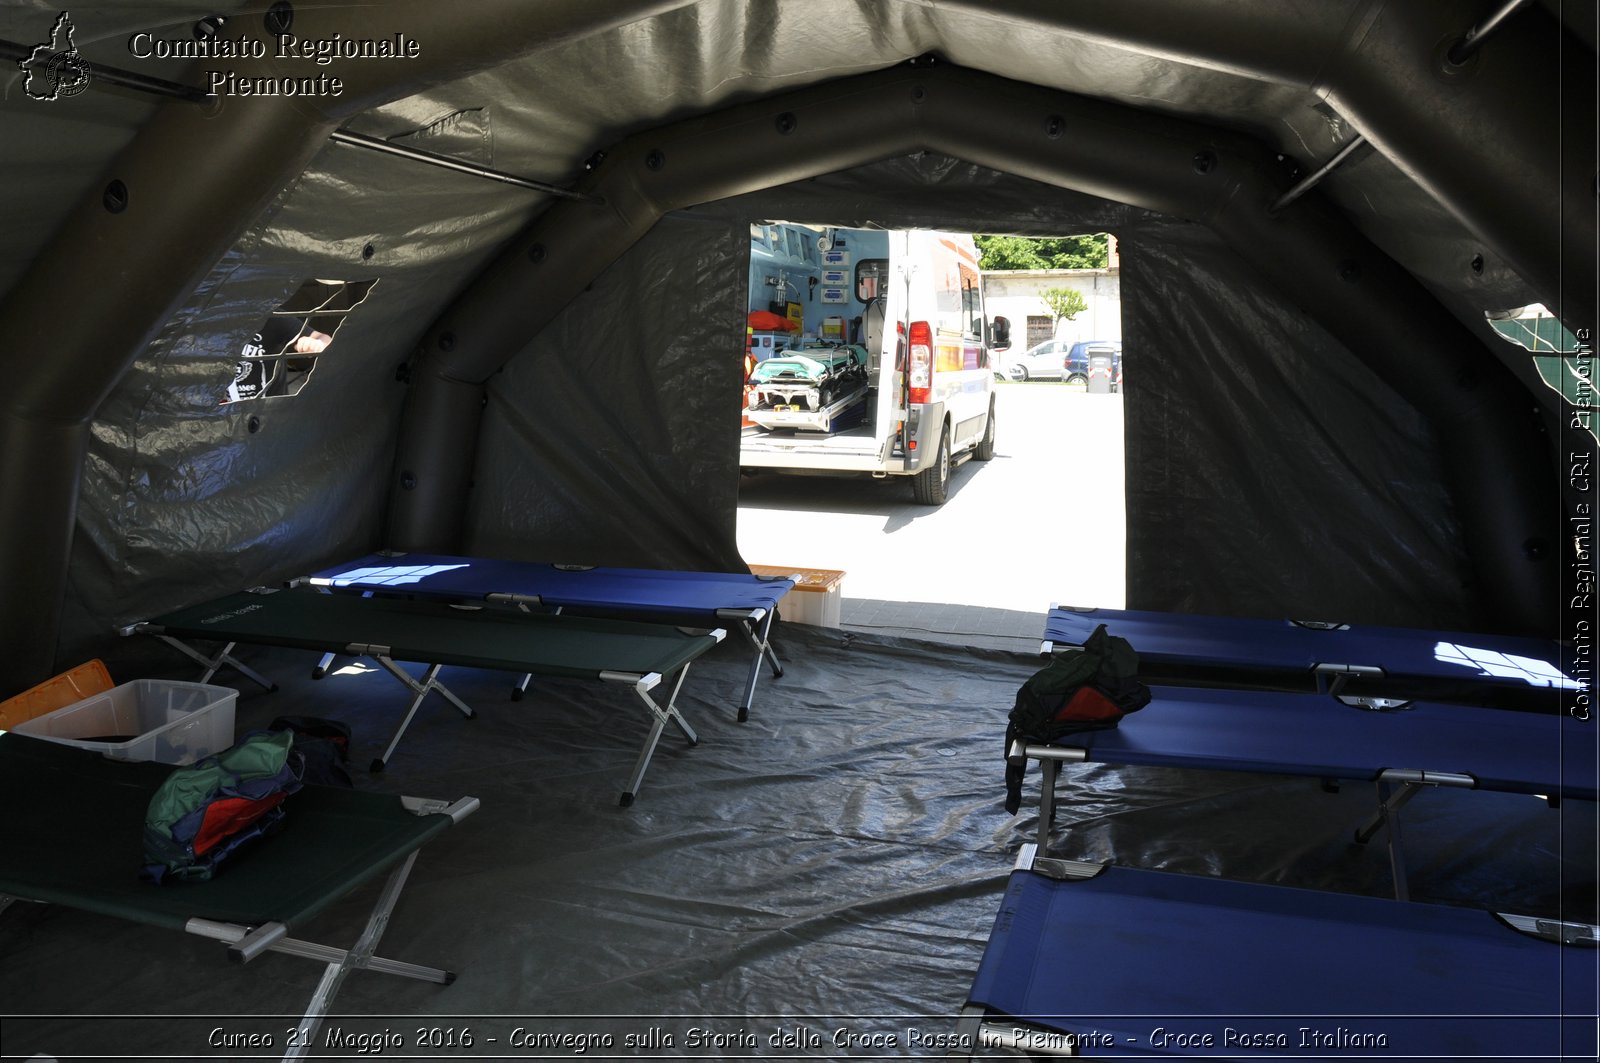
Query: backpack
x=325, y=745
x=1088, y=689
x=204, y=812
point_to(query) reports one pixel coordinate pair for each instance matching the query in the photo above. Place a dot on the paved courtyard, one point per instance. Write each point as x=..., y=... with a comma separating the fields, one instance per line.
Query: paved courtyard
x=1043, y=522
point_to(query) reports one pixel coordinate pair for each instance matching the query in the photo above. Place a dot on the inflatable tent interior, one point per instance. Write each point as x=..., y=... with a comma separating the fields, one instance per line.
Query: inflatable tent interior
x=528, y=223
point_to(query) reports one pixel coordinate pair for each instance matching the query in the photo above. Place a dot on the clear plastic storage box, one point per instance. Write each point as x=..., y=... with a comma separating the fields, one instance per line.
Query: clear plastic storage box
x=817, y=595
x=147, y=719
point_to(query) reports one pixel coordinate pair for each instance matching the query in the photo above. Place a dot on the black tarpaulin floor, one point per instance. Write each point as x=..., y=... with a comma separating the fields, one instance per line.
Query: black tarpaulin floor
x=829, y=869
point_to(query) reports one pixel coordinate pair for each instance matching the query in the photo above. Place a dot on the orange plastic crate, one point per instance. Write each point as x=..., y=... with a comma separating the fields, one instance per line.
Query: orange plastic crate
x=68, y=688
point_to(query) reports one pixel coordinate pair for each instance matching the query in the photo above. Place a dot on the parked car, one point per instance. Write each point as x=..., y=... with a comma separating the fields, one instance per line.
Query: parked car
x=1076, y=364
x=1042, y=361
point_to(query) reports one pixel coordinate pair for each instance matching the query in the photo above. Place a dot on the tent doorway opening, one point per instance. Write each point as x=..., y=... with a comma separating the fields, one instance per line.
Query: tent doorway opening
x=861, y=348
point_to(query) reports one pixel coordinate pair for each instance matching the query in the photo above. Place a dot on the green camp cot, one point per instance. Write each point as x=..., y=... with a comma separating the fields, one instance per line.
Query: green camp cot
x=73, y=836
x=639, y=656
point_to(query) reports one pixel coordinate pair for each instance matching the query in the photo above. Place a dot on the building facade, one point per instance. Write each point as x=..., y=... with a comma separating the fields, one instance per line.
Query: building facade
x=1018, y=296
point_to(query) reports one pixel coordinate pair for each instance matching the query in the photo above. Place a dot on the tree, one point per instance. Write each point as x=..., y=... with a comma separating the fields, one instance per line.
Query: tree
x=1076, y=252
x=1064, y=302
x=1056, y=252
x=1009, y=252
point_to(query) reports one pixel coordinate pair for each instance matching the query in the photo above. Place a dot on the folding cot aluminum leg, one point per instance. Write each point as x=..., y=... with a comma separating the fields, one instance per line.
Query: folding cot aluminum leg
x=1049, y=769
x=360, y=956
x=1050, y=759
x=757, y=628
x=420, y=690
x=1331, y=679
x=210, y=664
x=642, y=685
x=523, y=602
x=1388, y=815
x=1391, y=800
x=245, y=944
x=327, y=658
x=977, y=1037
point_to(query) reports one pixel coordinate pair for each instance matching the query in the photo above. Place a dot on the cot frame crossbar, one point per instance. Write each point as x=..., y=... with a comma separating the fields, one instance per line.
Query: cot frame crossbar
x=1395, y=788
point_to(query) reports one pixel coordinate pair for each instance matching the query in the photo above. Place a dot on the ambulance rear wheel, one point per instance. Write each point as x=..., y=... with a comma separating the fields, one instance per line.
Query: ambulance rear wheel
x=985, y=449
x=931, y=486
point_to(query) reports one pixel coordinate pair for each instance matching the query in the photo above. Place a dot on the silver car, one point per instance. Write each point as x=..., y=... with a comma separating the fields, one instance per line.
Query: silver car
x=1042, y=361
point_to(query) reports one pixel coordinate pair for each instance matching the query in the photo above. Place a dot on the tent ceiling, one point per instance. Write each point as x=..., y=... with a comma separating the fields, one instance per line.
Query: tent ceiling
x=550, y=109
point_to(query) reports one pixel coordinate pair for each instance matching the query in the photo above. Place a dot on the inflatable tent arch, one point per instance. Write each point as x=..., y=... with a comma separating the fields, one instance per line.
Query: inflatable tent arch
x=1116, y=153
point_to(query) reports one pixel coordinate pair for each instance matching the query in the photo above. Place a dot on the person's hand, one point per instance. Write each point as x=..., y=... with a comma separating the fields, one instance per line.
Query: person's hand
x=312, y=342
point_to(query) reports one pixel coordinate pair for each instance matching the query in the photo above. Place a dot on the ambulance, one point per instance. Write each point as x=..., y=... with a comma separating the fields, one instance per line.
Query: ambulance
x=912, y=302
